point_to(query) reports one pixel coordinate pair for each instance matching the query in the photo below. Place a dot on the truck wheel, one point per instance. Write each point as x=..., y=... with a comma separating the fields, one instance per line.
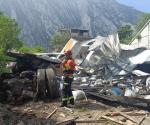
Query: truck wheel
x=51, y=84
x=41, y=83
x=3, y=96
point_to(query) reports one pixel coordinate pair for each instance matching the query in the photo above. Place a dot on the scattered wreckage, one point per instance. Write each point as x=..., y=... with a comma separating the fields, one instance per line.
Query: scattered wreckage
x=115, y=72
x=108, y=70
x=32, y=76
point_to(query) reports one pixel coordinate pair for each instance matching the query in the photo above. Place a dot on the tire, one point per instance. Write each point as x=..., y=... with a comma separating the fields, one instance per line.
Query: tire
x=51, y=84
x=41, y=83
x=3, y=96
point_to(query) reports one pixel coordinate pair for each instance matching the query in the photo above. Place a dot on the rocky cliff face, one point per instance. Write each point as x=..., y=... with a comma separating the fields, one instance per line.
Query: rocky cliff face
x=40, y=19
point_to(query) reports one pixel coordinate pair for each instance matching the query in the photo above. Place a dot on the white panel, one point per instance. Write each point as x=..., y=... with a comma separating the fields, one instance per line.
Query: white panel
x=145, y=31
x=144, y=42
x=135, y=42
x=145, y=38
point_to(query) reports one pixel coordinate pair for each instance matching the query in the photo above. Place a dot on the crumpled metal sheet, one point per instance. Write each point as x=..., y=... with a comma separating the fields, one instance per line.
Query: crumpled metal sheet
x=109, y=47
x=107, y=54
x=141, y=57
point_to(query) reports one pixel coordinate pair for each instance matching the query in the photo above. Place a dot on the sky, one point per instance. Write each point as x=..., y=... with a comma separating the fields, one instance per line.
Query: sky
x=142, y=5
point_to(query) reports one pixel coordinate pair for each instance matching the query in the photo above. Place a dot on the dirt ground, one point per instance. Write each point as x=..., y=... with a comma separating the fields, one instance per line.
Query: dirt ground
x=37, y=113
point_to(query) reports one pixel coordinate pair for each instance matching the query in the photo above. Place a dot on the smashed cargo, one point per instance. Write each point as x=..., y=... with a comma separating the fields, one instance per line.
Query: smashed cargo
x=112, y=69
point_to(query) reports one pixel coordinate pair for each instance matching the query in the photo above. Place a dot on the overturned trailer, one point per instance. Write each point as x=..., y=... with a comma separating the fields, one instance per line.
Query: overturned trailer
x=31, y=76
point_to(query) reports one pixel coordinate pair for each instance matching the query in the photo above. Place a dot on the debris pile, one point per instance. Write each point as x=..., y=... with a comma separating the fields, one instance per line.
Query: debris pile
x=118, y=118
x=114, y=70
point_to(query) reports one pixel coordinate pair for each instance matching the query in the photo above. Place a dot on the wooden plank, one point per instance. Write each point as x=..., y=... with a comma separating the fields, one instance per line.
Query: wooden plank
x=112, y=114
x=128, y=113
x=67, y=121
x=142, y=120
x=128, y=117
x=103, y=114
x=114, y=120
x=137, y=113
x=91, y=121
x=69, y=109
x=51, y=114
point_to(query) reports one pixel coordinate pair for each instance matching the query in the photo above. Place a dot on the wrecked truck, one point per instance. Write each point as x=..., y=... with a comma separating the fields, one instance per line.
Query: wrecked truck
x=31, y=76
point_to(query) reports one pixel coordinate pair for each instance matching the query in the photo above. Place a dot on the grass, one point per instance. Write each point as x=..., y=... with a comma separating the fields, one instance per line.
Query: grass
x=82, y=109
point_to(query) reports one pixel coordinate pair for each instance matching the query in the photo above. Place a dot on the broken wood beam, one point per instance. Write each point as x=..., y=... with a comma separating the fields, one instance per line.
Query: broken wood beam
x=68, y=121
x=142, y=120
x=128, y=117
x=69, y=109
x=103, y=114
x=113, y=120
x=128, y=113
x=51, y=114
x=112, y=114
x=91, y=121
x=137, y=113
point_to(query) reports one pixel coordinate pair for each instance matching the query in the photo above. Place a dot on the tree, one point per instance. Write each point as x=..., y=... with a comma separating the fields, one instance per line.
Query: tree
x=144, y=18
x=9, y=32
x=125, y=34
x=35, y=49
x=38, y=49
x=59, y=40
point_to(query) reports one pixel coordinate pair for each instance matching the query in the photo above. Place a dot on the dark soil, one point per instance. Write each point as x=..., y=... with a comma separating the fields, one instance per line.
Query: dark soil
x=9, y=117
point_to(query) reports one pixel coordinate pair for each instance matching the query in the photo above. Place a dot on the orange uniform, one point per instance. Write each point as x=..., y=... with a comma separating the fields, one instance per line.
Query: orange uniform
x=69, y=67
x=68, y=70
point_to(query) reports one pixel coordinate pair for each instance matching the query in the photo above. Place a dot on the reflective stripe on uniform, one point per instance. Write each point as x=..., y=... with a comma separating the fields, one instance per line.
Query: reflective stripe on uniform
x=71, y=76
x=67, y=67
x=71, y=97
x=64, y=99
x=65, y=83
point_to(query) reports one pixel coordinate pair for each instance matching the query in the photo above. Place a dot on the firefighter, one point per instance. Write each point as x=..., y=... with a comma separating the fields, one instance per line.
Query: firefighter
x=68, y=70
